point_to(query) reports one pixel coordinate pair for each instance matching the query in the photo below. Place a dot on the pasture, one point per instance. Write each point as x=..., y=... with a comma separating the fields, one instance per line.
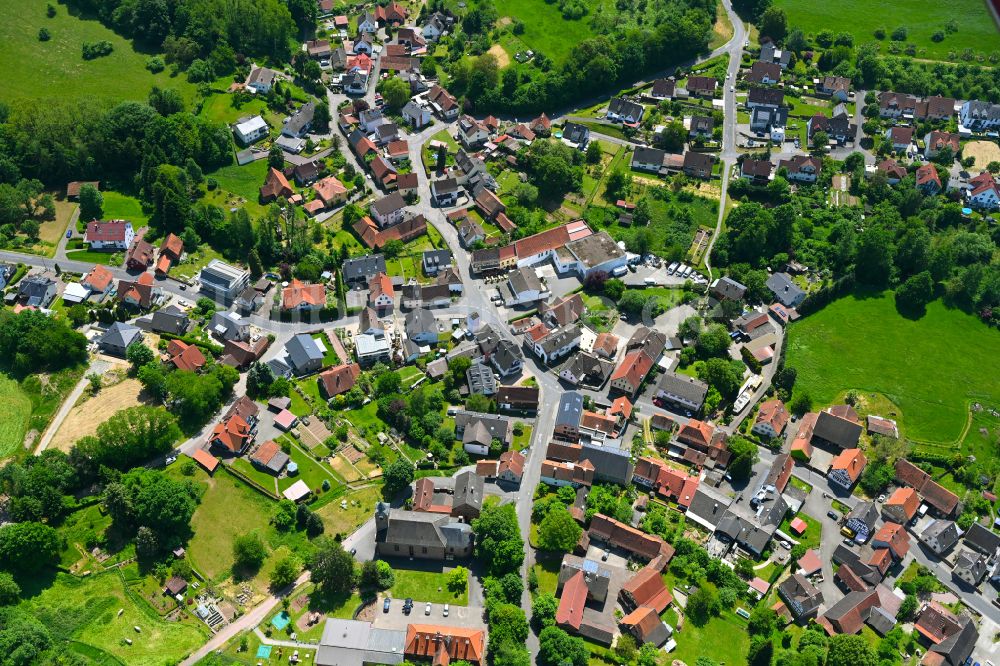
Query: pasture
x=922, y=18
x=35, y=70
x=931, y=368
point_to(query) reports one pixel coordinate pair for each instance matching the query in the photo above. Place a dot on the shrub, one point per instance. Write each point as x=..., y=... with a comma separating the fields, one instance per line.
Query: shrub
x=899, y=34
x=43, y=35
x=155, y=64
x=99, y=49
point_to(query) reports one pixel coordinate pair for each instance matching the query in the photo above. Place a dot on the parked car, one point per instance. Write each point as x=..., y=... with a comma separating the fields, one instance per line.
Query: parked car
x=386, y=604
x=833, y=515
x=445, y=611
x=427, y=608
x=407, y=606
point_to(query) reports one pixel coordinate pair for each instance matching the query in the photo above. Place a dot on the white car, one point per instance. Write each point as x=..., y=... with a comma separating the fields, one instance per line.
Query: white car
x=427, y=608
x=445, y=611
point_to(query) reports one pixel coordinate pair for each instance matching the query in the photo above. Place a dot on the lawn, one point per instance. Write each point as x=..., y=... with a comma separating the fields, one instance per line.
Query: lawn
x=310, y=471
x=694, y=642
x=119, y=206
x=194, y=261
x=922, y=19
x=931, y=368
x=56, y=69
x=243, y=181
x=545, y=30
x=547, y=570
x=14, y=426
x=227, y=509
x=95, y=257
x=360, y=507
x=809, y=538
x=329, y=357
x=523, y=440
x=98, y=612
x=424, y=586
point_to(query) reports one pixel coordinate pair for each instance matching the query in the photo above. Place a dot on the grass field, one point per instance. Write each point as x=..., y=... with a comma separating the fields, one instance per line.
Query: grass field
x=922, y=19
x=118, y=206
x=545, y=30
x=424, y=586
x=931, y=368
x=15, y=424
x=36, y=70
x=693, y=642
x=228, y=508
x=87, y=610
x=360, y=507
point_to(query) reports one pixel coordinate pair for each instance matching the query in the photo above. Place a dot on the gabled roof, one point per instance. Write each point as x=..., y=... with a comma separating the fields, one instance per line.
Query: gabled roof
x=185, y=356
x=298, y=293
x=696, y=433
x=851, y=461
x=339, y=379
x=572, y=600
x=646, y=588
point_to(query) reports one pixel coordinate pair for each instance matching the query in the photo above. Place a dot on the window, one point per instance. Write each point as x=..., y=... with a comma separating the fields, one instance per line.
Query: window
x=396, y=548
x=424, y=549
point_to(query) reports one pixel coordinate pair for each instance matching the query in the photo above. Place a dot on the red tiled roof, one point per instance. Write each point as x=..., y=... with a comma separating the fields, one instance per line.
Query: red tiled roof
x=329, y=189
x=443, y=644
x=774, y=413
x=231, y=434
x=633, y=368
x=423, y=497
x=810, y=562
x=112, y=231
x=905, y=498
x=185, y=356
x=173, y=246
x=621, y=405
x=643, y=621
x=646, y=588
x=99, y=278
x=339, y=379
x=895, y=536
x=696, y=433
x=572, y=601
x=852, y=461
x=205, y=459
x=297, y=293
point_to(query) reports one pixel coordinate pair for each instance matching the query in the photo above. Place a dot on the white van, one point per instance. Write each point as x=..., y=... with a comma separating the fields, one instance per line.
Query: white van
x=687, y=271
x=620, y=271
x=672, y=267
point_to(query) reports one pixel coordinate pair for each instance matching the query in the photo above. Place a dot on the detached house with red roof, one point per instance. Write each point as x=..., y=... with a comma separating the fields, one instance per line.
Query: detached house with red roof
x=113, y=235
x=983, y=192
x=442, y=644
x=184, y=356
x=631, y=372
x=893, y=537
x=928, y=180
x=697, y=434
x=303, y=297
x=171, y=250
x=381, y=295
x=339, y=379
x=275, y=185
x=847, y=468
x=771, y=419
x=901, y=506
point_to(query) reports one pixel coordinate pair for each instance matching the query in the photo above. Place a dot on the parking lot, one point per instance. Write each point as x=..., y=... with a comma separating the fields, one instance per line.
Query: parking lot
x=458, y=616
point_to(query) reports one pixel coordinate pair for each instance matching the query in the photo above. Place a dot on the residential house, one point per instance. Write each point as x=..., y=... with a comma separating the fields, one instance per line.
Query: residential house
x=443, y=644
x=184, y=356
x=983, y=192
x=758, y=172
x=421, y=327
x=269, y=457
x=229, y=326
x=576, y=135
x=899, y=137
x=982, y=539
x=359, y=271
x=892, y=537
x=646, y=626
x=222, y=281
x=785, y=291
x=330, y=191
x=304, y=354
x=935, y=141
x=389, y=210
x=896, y=105
x=391, y=14
x=318, y=49
x=861, y=520
x=541, y=125
x=766, y=119
x=927, y=179
x=443, y=103
x=837, y=427
x=624, y=111
x=837, y=87
x=435, y=261
x=893, y=170
x=170, y=319
x=772, y=417
x=139, y=255
x=700, y=126
x=801, y=168
x=662, y=89
x=416, y=115
x=507, y=359
x=118, y=338
x=971, y=567
x=648, y=159
x=401, y=533
x=477, y=431
x=114, y=235
x=769, y=52
x=445, y=192
x=939, y=535
x=681, y=390
x=303, y=297
x=338, y=379
x=765, y=97
x=979, y=116
x=171, y=250
x=877, y=606
x=435, y=26
x=631, y=372
x=98, y=281
x=838, y=128
x=472, y=133
x=698, y=165
x=801, y=597
x=560, y=474
x=381, y=294
x=489, y=204
x=846, y=468
x=251, y=130
x=260, y=79
x=702, y=86
x=568, y=415
x=481, y=380
x=935, y=107
x=586, y=369
x=765, y=73
x=951, y=641
x=902, y=505
x=728, y=289
x=557, y=344
x=299, y=124
x=367, y=23
x=275, y=186
x=138, y=294
x=518, y=398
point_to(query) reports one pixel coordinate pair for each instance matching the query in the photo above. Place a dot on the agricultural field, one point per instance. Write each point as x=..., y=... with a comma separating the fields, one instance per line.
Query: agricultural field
x=85, y=416
x=930, y=368
x=922, y=18
x=57, y=68
x=99, y=613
